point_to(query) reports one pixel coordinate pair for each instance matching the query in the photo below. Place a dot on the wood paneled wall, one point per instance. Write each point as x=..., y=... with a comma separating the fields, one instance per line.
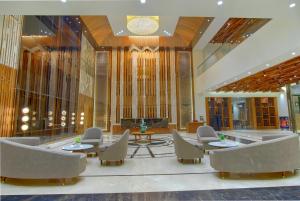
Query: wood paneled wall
x=10, y=37
x=7, y=100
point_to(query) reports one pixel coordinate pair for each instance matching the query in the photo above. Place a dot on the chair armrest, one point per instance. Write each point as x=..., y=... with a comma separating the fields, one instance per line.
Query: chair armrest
x=31, y=141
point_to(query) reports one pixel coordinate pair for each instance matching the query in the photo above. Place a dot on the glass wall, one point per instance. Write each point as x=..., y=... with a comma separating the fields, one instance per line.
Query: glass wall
x=102, y=95
x=295, y=107
x=48, y=76
x=184, y=88
x=241, y=109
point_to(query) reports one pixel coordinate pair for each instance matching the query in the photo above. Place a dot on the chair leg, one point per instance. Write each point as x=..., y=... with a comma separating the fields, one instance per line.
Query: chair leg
x=3, y=179
x=63, y=182
x=101, y=162
x=222, y=175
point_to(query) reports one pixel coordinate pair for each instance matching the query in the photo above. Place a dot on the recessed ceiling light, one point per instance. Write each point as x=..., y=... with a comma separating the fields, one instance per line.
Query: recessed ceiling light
x=143, y=1
x=64, y=1
x=293, y=53
x=249, y=73
x=220, y=3
x=268, y=65
x=292, y=5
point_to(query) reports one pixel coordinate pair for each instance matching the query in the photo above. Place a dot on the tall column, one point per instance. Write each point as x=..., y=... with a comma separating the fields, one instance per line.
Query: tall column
x=113, y=86
x=157, y=86
x=121, y=82
x=134, y=85
x=173, y=85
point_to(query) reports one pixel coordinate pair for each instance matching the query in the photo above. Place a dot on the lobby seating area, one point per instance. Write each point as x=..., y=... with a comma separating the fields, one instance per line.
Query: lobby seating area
x=149, y=100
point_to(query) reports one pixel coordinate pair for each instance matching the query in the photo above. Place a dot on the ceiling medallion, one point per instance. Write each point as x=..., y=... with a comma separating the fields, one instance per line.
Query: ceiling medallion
x=142, y=25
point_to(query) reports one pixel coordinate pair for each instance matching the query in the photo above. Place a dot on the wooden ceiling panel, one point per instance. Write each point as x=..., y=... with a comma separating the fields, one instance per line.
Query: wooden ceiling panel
x=271, y=79
x=236, y=30
x=188, y=31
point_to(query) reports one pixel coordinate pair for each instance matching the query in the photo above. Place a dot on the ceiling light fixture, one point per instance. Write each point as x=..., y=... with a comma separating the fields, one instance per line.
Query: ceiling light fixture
x=293, y=53
x=268, y=65
x=143, y=25
x=292, y=5
x=120, y=32
x=143, y=1
x=167, y=33
x=64, y=1
x=220, y=3
x=249, y=73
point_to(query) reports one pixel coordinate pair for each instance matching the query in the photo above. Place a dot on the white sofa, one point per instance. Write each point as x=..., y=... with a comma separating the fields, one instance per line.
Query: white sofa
x=20, y=160
x=280, y=154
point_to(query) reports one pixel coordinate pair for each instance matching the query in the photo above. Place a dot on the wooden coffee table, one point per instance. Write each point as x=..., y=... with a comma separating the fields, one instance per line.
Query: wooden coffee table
x=139, y=135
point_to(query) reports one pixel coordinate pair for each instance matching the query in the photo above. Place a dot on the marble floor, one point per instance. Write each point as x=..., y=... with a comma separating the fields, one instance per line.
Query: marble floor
x=151, y=168
x=267, y=193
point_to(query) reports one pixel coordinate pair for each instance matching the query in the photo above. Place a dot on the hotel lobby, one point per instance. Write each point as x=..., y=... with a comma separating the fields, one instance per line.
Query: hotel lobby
x=150, y=100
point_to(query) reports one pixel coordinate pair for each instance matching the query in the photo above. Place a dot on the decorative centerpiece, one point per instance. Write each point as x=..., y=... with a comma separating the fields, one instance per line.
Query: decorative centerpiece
x=221, y=137
x=143, y=126
x=77, y=140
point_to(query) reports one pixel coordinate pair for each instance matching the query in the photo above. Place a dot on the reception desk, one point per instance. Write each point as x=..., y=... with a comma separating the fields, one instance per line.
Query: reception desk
x=192, y=126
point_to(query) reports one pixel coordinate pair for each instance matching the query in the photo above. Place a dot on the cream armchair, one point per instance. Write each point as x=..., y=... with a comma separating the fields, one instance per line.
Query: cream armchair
x=115, y=151
x=22, y=161
x=187, y=150
x=276, y=155
x=92, y=136
x=206, y=134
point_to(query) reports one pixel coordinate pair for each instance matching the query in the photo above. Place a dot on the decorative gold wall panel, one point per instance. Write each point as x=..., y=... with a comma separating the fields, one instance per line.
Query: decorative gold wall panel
x=7, y=100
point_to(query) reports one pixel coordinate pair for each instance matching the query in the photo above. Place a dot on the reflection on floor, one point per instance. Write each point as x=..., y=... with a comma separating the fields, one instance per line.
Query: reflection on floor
x=152, y=168
x=269, y=193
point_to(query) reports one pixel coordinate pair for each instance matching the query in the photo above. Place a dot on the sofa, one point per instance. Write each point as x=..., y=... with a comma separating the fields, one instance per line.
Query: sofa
x=115, y=151
x=277, y=154
x=20, y=160
x=186, y=150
